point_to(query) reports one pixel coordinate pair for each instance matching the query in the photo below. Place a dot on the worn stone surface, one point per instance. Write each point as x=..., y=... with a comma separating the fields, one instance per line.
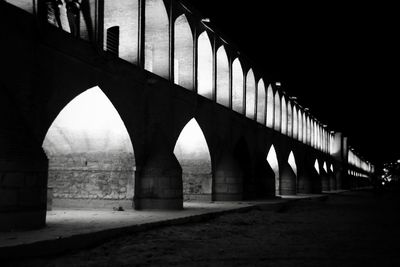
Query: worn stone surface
x=92, y=176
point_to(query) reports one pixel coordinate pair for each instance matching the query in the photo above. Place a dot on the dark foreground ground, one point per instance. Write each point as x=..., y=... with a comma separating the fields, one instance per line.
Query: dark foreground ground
x=350, y=229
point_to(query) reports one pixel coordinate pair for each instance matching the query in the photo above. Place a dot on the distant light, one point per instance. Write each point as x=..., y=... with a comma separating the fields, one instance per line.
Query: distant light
x=306, y=109
x=205, y=20
x=398, y=161
x=293, y=97
x=278, y=84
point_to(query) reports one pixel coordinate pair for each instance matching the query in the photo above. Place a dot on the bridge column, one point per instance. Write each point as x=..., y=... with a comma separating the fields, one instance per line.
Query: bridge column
x=288, y=180
x=304, y=180
x=332, y=180
x=265, y=179
x=325, y=180
x=228, y=179
x=23, y=173
x=158, y=181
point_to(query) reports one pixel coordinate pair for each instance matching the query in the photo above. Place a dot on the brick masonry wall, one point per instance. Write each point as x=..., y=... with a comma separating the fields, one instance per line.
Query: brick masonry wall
x=103, y=176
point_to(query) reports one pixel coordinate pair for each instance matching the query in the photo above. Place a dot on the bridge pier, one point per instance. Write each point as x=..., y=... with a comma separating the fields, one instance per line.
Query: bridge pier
x=332, y=180
x=304, y=181
x=158, y=181
x=288, y=180
x=325, y=180
x=23, y=172
x=228, y=179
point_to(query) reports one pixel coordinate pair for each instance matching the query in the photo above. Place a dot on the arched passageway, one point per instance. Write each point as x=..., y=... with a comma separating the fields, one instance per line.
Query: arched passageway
x=205, y=66
x=183, y=45
x=191, y=150
x=91, y=158
x=123, y=14
x=250, y=95
x=223, y=94
x=156, y=55
x=270, y=108
x=237, y=87
x=272, y=160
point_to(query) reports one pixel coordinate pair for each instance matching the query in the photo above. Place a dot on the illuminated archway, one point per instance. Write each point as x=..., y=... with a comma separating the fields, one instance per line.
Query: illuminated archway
x=250, y=95
x=127, y=22
x=192, y=152
x=90, y=153
x=261, y=102
x=295, y=123
x=272, y=160
x=304, y=122
x=222, y=77
x=284, y=116
x=292, y=162
x=289, y=119
x=270, y=107
x=183, y=53
x=156, y=36
x=237, y=86
x=277, y=112
x=316, y=166
x=300, y=123
x=205, y=66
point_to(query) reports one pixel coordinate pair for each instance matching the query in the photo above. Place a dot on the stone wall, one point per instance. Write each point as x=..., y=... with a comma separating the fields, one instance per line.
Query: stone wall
x=197, y=179
x=100, y=176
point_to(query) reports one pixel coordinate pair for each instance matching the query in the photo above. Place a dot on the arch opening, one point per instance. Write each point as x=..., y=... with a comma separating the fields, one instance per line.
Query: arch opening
x=292, y=162
x=316, y=166
x=237, y=87
x=156, y=55
x=205, y=66
x=295, y=123
x=277, y=112
x=261, y=101
x=125, y=16
x=183, y=45
x=284, y=117
x=272, y=160
x=270, y=107
x=250, y=95
x=191, y=150
x=289, y=119
x=222, y=77
x=91, y=157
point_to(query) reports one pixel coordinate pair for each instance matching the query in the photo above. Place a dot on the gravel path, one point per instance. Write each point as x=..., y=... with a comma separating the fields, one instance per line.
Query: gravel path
x=350, y=229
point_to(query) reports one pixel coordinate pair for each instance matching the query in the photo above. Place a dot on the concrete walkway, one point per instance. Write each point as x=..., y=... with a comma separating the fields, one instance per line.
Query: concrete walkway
x=76, y=229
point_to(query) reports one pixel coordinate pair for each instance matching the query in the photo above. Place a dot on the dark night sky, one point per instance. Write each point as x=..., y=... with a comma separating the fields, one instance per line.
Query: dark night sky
x=340, y=60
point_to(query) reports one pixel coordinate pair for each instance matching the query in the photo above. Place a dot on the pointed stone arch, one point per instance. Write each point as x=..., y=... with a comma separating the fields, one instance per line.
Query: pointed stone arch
x=250, y=95
x=270, y=107
x=237, y=86
x=295, y=123
x=261, y=102
x=292, y=162
x=273, y=162
x=204, y=66
x=277, y=112
x=156, y=55
x=223, y=93
x=183, y=53
x=192, y=152
x=125, y=16
x=283, y=116
x=91, y=156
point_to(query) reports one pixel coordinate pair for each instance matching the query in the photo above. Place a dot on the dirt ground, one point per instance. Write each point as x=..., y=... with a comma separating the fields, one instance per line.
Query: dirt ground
x=350, y=229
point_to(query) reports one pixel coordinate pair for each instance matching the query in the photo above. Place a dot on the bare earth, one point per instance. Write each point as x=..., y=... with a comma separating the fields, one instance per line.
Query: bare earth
x=351, y=229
